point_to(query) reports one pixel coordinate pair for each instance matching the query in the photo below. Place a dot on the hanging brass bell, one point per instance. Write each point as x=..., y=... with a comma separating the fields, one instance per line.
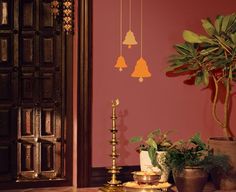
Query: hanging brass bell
x=141, y=70
x=120, y=63
x=130, y=39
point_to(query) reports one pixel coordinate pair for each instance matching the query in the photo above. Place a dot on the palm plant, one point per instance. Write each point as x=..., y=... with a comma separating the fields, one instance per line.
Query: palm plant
x=210, y=58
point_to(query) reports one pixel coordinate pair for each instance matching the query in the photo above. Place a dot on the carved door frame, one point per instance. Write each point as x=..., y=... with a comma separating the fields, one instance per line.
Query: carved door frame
x=84, y=136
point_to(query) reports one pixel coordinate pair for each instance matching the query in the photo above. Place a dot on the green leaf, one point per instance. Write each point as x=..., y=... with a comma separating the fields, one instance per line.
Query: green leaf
x=209, y=28
x=218, y=23
x=224, y=44
x=155, y=133
x=152, y=152
x=220, y=63
x=135, y=139
x=151, y=142
x=205, y=39
x=182, y=49
x=231, y=23
x=191, y=37
x=182, y=70
x=225, y=23
x=199, y=78
x=232, y=28
x=193, y=67
x=206, y=77
x=230, y=73
x=209, y=50
x=196, y=139
x=233, y=37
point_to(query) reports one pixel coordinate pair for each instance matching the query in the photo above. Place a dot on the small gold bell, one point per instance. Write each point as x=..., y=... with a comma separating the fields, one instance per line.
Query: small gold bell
x=141, y=70
x=120, y=63
x=130, y=39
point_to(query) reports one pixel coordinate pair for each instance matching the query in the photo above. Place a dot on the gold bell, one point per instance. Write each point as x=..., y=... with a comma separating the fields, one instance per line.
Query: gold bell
x=120, y=63
x=141, y=70
x=130, y=39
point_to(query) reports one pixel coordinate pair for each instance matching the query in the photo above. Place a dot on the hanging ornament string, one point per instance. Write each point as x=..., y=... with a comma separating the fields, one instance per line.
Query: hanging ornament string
x=130, y=13
x=121, y=30
x=130, y=38
x=120, y=63
x=141, y=68
x=141, y=28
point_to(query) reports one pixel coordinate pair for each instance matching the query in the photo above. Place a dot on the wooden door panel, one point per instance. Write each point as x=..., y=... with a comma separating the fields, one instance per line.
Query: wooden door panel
x=8, y=95
x=5, y=122
x=28, y=87
x=28, y=14
x=47, y=56
x=47, y=88
x=46, y=18
x=31, y=84
x=27, y=155
x=27, y=122
x=27, y=143
x=5, y=14
x=41, y=85
x=5, y=162
x=6, y=50
x=47, y=122
x=5, y=86
x=7, y=144
x=50, y=159
x=50, y=140
x=48, y=156
x=27, y=52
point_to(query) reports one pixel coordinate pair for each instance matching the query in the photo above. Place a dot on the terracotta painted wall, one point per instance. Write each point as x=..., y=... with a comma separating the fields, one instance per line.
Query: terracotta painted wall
x=158, y=102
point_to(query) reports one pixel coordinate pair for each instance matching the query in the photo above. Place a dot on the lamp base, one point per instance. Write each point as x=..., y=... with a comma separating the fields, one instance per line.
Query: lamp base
x=112, y=188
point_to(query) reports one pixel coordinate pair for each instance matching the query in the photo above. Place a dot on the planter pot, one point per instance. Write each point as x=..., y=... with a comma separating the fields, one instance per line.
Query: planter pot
x=221, y=145
x=146, y=164
x=190, y=179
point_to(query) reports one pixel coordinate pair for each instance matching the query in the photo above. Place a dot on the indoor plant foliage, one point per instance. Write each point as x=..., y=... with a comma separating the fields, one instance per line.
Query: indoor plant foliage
x=195, y=153
x=191, y=161
x=210, y=58
x=155, y=141
x=153, y=149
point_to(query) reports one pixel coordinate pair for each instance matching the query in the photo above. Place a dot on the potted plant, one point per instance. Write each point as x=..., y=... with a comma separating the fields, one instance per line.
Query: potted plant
x=211, y=61
x=191, y=161
x=152, y=151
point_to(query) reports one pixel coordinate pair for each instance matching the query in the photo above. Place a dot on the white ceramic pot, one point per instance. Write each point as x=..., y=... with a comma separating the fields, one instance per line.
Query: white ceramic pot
x=146, y=164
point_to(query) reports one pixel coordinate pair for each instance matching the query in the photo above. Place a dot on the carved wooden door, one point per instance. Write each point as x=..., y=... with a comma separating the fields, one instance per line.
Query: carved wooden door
x=31, y=92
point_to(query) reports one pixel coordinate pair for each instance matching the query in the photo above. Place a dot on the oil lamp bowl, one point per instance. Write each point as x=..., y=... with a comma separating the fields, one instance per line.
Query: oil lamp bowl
x=143, y=177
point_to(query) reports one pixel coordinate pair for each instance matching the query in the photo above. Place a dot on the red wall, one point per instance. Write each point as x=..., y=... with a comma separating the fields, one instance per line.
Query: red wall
x=158, y=102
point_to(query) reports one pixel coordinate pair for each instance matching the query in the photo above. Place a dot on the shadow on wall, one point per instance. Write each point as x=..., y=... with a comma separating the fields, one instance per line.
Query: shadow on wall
x=122, y=129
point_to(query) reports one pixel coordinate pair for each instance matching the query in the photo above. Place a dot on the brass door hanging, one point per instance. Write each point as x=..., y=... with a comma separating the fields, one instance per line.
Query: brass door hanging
x=63, y=11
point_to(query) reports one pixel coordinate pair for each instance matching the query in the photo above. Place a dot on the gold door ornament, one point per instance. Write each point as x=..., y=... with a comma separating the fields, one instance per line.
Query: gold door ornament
x=68, y=12
x=55, y=8
x=63, y=11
